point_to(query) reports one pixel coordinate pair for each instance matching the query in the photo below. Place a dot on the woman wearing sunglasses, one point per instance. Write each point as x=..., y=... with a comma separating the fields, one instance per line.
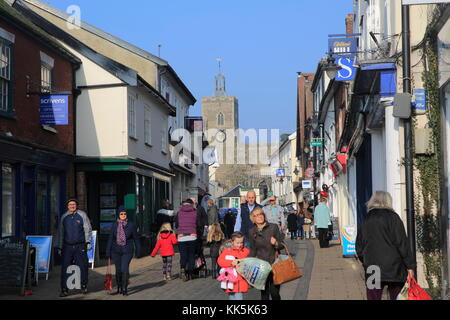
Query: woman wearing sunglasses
x=120, y=248
x=265, y=241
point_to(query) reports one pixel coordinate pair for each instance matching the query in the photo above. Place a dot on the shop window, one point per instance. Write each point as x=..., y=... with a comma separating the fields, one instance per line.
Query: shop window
x=54, y=203
x=42, y=204
x=8, y=200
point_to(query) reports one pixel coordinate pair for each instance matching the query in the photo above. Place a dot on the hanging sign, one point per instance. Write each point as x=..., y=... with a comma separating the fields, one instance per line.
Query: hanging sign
x=54, y=110
x=421, y=101
x=281, y=173
x=91, y=253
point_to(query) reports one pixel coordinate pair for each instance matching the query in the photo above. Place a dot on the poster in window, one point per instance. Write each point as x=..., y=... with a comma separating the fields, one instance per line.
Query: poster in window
x=107, y=214
x=108, y=202
x=108, y=189
x=105, y=227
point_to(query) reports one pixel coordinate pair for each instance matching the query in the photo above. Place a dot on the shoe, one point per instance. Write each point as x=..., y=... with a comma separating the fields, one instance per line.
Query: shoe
x=125, y=277
x=169, y=278
x=84, y=289
x=186, y=276
x=119, y=284
x=164, y=277
x=64, y=293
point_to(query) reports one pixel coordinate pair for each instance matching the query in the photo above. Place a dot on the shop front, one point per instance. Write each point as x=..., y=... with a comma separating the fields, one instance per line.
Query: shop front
x=110, y=183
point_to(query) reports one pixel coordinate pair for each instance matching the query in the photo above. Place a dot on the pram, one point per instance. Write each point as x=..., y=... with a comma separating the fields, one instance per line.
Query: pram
x=200, y=267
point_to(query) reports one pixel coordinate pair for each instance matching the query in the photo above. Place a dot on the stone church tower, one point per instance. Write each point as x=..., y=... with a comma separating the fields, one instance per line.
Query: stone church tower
x=221, y=114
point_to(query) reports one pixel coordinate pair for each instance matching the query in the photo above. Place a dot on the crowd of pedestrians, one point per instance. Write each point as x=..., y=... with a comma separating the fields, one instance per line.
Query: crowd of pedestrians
x=258, y=230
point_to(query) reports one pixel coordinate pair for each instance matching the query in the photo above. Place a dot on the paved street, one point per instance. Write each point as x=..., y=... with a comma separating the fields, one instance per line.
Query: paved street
x=327, y=276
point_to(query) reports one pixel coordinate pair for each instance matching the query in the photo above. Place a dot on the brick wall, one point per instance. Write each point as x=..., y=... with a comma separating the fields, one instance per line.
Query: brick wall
x=27, y=62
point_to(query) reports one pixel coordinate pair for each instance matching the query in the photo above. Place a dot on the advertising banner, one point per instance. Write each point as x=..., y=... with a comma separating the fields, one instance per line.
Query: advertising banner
x=91, y=253
x=43, y=245
x=349, y=241
x=54, y=110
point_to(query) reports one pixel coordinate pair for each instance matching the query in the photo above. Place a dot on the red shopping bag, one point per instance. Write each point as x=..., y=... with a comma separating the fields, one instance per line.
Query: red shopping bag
x=415, y=292
x=108, y=278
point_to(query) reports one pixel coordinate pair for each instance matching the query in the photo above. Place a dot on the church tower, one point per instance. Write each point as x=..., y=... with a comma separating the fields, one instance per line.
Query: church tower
x=220, y=111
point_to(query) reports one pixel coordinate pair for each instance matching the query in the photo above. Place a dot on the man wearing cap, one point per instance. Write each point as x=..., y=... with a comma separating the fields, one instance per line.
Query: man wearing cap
x=274, y=212
x=73, y=242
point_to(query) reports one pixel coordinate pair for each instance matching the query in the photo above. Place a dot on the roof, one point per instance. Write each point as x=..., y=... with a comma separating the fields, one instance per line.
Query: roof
x=233, y=193
x=17, y=19
x=117, y=41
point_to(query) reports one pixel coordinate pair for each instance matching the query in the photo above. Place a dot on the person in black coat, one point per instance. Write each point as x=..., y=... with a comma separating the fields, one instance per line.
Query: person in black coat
x=229, y=221
x=120, y=248
x=382, y=242
x=292, y=225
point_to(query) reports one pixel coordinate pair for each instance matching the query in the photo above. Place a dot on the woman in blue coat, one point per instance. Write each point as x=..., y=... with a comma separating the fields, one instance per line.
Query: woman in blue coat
x=120, y=248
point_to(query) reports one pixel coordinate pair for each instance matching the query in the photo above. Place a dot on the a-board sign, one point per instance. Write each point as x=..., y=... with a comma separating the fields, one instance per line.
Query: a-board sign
x=43, y=245
x=13, y=263
x=91, y=253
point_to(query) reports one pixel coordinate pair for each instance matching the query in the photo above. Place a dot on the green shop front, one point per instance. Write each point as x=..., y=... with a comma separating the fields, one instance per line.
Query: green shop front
x=105, y=184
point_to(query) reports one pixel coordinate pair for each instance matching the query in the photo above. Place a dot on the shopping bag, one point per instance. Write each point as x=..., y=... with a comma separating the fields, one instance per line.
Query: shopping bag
x=403, y=295
x=108, y=286
x=285, y=270
x=255, y=271
x=415, y=292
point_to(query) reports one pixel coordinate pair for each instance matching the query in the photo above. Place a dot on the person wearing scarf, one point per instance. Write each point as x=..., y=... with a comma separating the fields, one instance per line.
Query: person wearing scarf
x=120, y=248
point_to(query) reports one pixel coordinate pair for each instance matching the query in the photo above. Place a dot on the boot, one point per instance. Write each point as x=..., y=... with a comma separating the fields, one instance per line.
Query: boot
x=185, y=275
x=125, y=278
x=119, y=283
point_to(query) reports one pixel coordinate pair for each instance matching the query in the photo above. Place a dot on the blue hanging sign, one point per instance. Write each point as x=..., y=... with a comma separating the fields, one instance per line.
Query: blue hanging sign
x=281, y=173
x=54, y=110
x=348, y=71
x=342, y=46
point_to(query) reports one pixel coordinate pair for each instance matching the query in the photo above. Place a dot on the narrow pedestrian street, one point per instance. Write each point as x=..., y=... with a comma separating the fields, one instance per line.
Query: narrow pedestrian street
x=326, y=276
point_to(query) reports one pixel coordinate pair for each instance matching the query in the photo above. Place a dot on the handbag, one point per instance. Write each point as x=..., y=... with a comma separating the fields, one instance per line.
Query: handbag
x=285, y=270
x=403, y=295
x=107, y=284
x=415, y=292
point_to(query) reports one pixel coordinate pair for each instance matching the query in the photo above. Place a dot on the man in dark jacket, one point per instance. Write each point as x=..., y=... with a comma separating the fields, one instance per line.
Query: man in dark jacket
x=382, y=242
x=73, y=242
x=243, y=223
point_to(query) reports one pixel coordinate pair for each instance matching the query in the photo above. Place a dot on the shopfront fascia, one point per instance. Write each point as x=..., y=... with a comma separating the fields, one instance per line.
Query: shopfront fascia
x=139, y=186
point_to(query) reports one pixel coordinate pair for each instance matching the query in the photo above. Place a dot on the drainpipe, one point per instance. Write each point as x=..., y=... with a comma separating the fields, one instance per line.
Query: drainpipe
x=75, y=93
x=408, y=134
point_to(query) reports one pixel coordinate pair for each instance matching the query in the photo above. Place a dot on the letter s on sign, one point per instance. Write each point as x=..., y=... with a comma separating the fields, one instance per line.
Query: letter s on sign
x=348, y=73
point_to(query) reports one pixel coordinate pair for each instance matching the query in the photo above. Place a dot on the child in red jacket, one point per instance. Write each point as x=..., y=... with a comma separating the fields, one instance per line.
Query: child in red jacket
x=166, y=240
x=228, y=259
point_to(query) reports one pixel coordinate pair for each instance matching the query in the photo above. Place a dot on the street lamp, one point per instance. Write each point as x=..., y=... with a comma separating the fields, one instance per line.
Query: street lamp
x=331, y=68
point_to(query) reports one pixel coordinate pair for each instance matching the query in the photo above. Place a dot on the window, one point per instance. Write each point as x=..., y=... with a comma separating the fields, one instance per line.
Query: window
x=46, y=79
x=5, y=77
x=147, y=126
x=220, y=119
x=164, y=137
x=7, y=187
x=131, y=117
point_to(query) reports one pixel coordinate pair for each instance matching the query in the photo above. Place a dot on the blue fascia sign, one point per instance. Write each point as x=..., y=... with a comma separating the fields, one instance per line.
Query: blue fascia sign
x=281, y=173
x=54, y=109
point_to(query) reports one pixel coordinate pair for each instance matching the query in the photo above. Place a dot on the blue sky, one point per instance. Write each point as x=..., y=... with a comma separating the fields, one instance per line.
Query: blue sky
x=263, y=45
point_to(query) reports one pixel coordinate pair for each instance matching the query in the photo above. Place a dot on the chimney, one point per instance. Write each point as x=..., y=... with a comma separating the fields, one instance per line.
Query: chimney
x=349, y=23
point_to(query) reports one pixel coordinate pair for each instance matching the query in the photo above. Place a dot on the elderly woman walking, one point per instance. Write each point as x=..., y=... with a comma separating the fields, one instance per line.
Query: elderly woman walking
x=322, y=220
x=265, y=241
x=382, y=242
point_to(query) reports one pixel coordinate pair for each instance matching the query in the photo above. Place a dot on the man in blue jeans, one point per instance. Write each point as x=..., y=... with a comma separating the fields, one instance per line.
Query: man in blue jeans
x=73, y=243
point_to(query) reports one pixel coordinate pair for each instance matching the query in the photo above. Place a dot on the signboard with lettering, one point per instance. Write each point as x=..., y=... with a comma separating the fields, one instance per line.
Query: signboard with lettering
x=421, y=100
x=348, y=71
x=43, y=245
x=306, y=184
x=342, y=46
x=54, y=110
x=349, y=241
x=13, y=263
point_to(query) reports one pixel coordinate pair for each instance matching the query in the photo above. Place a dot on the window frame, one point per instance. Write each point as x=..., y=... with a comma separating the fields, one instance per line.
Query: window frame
x=147, y=126
x=132, y=117
x=9, y=110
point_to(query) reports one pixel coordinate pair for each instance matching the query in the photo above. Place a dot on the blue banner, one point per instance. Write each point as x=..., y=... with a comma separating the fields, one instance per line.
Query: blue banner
x=43, y=245
x=91, y=253
x=54, y=110
x=421, y=99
